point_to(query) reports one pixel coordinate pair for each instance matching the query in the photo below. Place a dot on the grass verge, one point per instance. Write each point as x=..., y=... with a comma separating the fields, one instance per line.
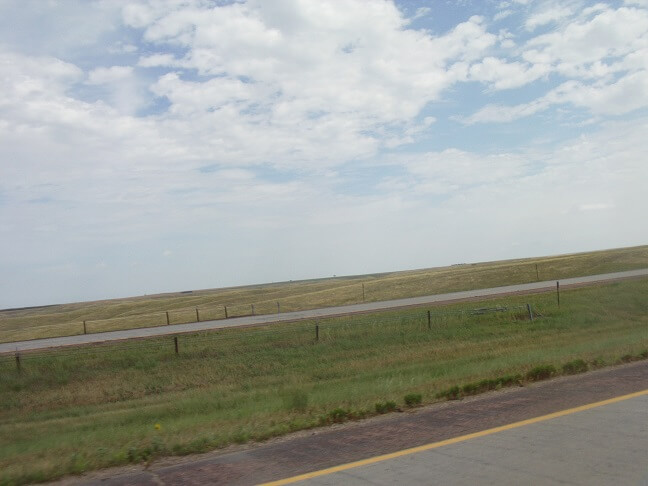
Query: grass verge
x=80, y=409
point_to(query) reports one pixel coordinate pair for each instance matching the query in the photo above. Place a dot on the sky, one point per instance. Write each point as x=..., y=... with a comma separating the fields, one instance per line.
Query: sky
x=167, y=145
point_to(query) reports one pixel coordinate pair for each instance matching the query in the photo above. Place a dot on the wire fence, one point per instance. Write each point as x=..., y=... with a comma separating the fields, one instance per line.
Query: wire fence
x=185, y=315
x=407, y=326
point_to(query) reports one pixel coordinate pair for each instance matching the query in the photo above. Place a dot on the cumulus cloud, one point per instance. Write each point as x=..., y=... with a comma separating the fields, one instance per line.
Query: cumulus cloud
x=602, y=53
x=359, y=69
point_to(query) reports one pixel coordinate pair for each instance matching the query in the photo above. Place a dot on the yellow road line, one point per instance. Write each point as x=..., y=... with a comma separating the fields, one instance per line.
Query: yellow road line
x=454, y=440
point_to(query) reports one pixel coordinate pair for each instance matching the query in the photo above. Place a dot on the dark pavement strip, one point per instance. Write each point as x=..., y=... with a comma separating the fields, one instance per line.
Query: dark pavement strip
x=82, y=339
x=327, y=447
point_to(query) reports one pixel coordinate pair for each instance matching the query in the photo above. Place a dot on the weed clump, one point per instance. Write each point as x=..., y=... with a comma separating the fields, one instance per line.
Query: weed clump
x=413, y=399
x=385, y=407
x=542, y=372
x=573, y=367
x=597, y=363
x=452, y=393
x=339, y=415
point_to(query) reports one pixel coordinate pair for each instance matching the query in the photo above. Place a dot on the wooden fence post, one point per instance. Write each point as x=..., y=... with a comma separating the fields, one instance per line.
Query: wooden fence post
x=558, y=292
x=530, y=311
x=85, y=331
x=225, y=311
x=167, y=317
x=278, y=308
x=429, y=321
x=252, y=305
x=316, y=331
x=363, y=293
x=175, y=341
x=18, y=361
x=197, y=315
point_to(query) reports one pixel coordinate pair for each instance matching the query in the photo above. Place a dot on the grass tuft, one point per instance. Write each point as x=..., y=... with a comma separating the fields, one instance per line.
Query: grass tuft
x=385, y=407
x=413, y=399
x=574, y=367
x=539, y=373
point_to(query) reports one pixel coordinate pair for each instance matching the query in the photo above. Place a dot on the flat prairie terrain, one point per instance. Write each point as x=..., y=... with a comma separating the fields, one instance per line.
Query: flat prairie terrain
x=127, y=313
x=73, y=410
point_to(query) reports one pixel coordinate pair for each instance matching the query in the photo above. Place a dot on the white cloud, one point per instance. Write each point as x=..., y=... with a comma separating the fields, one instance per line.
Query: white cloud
x=628, y=94
x=502, y=14
x=602, y=55
x=103, y=75
x=574, y=49
x=547, y=15
x=505, y=75
x=323, y=83
x=421, y=12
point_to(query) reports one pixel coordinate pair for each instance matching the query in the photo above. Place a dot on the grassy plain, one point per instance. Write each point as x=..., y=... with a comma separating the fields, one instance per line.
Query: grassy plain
x=79, y=409
x=67, y=319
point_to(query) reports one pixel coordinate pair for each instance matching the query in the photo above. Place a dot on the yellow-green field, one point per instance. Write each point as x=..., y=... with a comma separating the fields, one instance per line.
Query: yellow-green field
x=62, y=320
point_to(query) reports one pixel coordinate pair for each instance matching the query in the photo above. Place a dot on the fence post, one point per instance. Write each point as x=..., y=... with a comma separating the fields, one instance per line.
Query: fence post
x=530, y=311
x=167, y=317
x=175, y=341
x=537, y=274
x=252, y=305
x=429, y=321
x=85, y=331
x=278, y=308
x=316, y=331
x=18, y=361
x=225, y=311
x=197, y=315
x=558, y=292
x=363, y=293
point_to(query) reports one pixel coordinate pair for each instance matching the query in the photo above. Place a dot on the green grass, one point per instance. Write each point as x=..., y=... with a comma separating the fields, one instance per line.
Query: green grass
x=67, y=319
x=80, y=409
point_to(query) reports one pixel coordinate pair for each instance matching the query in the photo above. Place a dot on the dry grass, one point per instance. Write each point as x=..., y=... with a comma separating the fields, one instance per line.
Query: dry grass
x=67, y=319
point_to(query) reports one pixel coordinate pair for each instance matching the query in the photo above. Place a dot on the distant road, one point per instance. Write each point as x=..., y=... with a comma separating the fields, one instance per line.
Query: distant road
x=313, y=313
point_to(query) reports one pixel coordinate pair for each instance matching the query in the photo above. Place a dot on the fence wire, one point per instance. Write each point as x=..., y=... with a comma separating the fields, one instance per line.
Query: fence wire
x=297, y=333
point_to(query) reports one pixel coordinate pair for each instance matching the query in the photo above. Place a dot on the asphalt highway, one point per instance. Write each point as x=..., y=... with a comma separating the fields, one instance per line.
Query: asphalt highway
x=533, y=287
